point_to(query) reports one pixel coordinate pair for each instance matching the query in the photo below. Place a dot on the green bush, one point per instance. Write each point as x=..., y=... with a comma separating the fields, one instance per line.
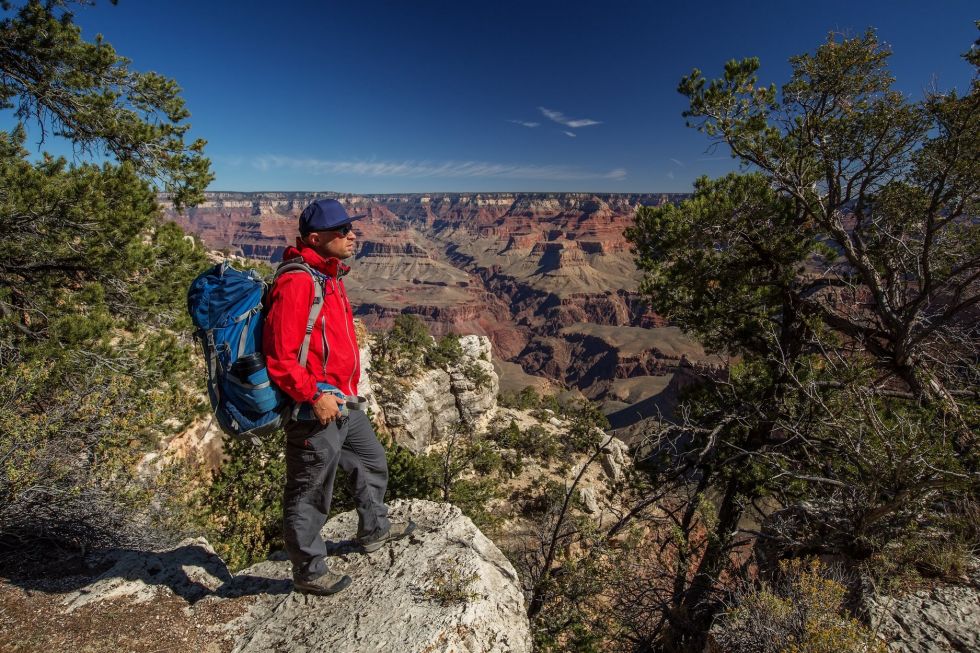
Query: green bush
x=401, y=351
x=535, y=441
x=527, y=399
x=240, y=508
x=445, y=353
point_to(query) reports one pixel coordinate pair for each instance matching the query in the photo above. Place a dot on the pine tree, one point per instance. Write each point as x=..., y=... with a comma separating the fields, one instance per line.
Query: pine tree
x=91, y=280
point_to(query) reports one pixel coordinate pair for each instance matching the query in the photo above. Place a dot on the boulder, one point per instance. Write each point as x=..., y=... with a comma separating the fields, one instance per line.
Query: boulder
x=445, y=588
x=427, y=411
x=192, y=571
x=589, y=500
x=615, y=458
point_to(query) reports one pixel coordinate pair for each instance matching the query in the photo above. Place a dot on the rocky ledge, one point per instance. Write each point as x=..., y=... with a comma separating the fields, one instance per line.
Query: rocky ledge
x=445, y=588
x=938, y=619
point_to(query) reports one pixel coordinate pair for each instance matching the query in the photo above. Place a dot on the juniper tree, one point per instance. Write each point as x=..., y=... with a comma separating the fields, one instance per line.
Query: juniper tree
x=841, y=271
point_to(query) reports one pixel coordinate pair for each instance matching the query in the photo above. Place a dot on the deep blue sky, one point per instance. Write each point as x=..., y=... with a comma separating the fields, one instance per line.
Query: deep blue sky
x=401, y=96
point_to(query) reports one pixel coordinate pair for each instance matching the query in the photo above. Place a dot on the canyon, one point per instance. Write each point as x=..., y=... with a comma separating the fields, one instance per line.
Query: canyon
x=549, y=278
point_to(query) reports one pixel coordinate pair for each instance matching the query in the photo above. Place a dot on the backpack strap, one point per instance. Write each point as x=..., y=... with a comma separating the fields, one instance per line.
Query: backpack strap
x=286, y=268
x=304, y=350
x=211, y=351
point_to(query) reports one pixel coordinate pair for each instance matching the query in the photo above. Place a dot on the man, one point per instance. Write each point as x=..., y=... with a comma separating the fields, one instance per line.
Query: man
x=314, y=448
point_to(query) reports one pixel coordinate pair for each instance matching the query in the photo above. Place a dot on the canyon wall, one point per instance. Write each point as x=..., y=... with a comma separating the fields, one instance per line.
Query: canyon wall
x=524, y=269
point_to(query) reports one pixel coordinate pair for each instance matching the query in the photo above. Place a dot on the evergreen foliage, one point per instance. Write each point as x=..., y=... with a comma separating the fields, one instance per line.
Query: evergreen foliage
x=407, y=349
x=94, y=357
x=841, y=272
x=86, y=93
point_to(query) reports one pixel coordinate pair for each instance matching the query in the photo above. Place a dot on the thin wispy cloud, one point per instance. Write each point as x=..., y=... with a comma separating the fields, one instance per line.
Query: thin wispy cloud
x=569, y=134
x=426, y=169
x=525, y=123
x=677, y=162
x=561, y=119
x=670, y=174
x=227, y=160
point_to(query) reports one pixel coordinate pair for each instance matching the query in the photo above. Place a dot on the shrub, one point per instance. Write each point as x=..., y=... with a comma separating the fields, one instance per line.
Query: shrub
x=445, y=353
x=803, y=613
x=240, y=510
x=402, y=350
x=535, y=441
x=450, y=586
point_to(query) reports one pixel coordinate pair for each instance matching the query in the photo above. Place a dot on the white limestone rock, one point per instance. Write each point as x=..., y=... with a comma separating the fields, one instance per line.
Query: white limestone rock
x=476, y=347
x=445, y=588
x=589, y=500
x=403, y=597
x=615, y=458
x=364, y=385
x=437, y=400
x=475, y=404
x=936, y=620
x=192, y=571
x=426, y=413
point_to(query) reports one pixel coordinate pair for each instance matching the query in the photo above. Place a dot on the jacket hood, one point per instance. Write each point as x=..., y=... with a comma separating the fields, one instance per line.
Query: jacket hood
x=332, y=267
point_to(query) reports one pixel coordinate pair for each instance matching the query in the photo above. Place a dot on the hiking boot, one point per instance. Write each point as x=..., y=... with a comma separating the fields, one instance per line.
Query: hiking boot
x=328, y=583
x=396, y=531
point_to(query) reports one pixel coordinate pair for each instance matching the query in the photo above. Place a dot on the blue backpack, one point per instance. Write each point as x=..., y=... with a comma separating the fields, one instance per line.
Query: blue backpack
x=226, y=307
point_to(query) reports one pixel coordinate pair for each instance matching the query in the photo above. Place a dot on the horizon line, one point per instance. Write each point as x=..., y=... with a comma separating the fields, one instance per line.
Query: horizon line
x=455, y=192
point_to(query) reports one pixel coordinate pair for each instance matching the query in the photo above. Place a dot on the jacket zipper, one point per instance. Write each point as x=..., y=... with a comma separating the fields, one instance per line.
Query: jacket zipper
x=323, y=330
x=353, y=347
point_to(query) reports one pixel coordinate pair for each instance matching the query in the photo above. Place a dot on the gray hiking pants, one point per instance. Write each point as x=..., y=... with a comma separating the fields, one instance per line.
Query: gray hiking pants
x=313, y=452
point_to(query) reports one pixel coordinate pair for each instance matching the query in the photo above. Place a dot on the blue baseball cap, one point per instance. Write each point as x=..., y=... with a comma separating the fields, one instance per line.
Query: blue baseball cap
x=323, y=215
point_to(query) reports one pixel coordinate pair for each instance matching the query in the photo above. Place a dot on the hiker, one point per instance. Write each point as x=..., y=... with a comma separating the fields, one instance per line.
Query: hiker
x=315, y=447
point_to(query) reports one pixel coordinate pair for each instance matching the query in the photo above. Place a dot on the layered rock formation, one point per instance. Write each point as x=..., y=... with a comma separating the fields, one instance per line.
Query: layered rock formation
x=446, y=588
x=517, y=268
x=438, y=400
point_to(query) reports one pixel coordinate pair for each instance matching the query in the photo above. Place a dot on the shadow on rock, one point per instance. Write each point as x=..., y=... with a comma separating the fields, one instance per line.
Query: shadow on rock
x=192, y=571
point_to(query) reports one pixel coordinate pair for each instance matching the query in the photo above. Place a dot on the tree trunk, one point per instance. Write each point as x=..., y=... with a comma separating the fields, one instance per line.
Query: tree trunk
x=689, y=625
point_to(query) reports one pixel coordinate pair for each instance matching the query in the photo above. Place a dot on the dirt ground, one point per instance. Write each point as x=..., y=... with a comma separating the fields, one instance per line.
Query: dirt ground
x=34, y=619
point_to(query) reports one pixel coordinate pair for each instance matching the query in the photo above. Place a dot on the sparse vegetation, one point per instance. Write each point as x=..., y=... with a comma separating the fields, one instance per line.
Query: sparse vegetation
x=804, y=612
x=451, y=587
x=240, y=508
x=407, y=349
x=535, y=442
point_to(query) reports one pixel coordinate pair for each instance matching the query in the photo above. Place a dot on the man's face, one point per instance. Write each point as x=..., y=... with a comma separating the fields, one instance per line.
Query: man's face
x=333, y=243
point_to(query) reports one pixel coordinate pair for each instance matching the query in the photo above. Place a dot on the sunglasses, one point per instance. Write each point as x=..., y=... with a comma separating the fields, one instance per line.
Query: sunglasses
x=343, y=230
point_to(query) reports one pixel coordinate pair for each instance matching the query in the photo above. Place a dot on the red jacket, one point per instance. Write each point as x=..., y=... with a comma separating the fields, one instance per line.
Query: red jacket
x=285, y=325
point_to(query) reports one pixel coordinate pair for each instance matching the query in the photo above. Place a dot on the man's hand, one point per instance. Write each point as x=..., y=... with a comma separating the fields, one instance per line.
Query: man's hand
x=327, y=407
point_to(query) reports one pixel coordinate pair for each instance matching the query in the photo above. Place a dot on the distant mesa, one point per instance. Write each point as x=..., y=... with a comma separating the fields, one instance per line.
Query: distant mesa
x=390, y=248
x=519, y=268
